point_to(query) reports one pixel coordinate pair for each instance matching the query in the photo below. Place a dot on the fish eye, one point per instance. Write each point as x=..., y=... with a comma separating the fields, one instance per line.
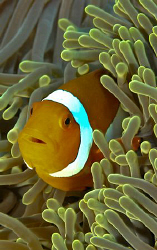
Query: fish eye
x=67, y=121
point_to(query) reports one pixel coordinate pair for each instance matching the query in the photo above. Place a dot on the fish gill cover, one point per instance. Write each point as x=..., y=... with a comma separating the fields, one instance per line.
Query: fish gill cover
x=121, y=211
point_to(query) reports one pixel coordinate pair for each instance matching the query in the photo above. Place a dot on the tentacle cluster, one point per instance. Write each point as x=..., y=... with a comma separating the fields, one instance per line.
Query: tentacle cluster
x=120, y=211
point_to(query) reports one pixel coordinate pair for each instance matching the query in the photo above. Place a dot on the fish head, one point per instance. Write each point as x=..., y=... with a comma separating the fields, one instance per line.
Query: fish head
x=50, y=139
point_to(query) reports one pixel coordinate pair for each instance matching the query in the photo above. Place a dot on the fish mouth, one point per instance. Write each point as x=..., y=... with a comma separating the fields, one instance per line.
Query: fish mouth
x=33, y=136
x=33, y=139
x=36, y=140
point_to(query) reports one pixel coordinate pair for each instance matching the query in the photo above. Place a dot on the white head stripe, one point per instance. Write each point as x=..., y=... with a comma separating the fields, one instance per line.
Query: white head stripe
x=81, y=117
x=27, y=165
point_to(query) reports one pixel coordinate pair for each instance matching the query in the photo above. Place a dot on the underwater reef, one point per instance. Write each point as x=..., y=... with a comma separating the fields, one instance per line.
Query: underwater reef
x=43, y=44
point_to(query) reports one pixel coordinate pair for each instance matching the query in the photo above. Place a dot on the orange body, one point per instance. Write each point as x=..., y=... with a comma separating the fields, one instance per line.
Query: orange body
x=48, y=144
x=135, y=142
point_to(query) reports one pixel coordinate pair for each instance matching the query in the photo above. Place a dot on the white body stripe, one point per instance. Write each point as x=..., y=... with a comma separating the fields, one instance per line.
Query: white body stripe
x=86, y=139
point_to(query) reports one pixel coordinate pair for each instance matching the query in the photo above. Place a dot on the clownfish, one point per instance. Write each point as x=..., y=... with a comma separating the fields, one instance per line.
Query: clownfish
x=57, y=138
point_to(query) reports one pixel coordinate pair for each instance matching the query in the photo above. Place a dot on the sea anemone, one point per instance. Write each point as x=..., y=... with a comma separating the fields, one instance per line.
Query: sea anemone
x=120, y=211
